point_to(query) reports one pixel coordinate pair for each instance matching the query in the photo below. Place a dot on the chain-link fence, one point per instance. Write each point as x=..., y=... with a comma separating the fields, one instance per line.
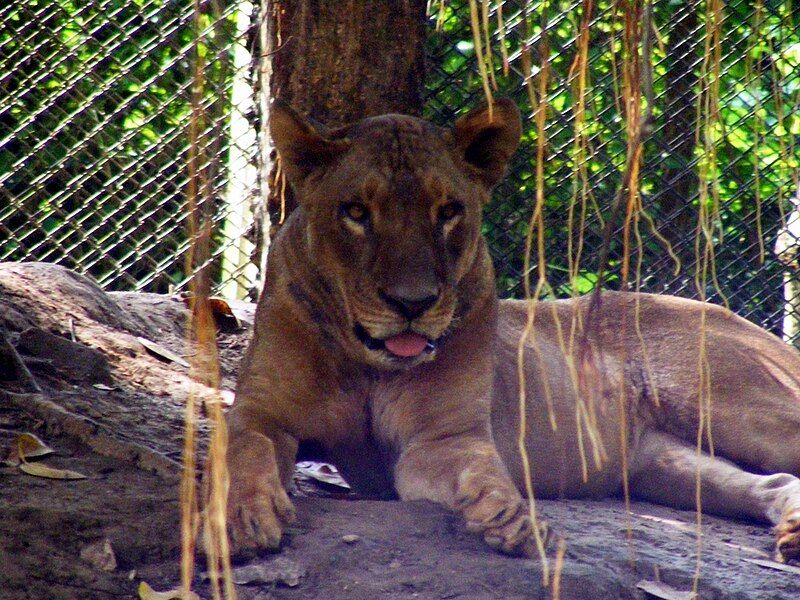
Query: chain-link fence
x=95, y=104
x=756, y=138
x=94, y=110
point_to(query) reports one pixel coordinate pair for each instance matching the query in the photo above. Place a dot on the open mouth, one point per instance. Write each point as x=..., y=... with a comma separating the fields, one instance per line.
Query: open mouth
x=404, y=345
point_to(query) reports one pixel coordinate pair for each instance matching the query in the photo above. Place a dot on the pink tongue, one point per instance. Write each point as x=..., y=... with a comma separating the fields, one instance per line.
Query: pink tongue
x=406, y=344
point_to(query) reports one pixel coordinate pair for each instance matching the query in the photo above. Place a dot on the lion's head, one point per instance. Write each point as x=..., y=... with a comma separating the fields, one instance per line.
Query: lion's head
x=392, y=213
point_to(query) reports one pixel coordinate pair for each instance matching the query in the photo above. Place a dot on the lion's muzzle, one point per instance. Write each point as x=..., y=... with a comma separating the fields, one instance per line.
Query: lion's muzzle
x=410, y=306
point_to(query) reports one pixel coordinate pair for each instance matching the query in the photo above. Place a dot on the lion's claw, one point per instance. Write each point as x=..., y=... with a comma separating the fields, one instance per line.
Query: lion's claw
x=259, y=509
x=259, y=519
x=516, y=537
x=501, y=515
x=787, y=546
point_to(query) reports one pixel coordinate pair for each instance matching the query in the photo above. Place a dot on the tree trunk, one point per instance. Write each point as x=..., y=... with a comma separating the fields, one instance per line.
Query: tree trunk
x=680, y=179
x=340, y=61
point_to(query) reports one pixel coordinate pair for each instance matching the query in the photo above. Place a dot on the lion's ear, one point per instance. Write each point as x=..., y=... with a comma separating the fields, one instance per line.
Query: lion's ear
x=302, y=147
x=485, y=141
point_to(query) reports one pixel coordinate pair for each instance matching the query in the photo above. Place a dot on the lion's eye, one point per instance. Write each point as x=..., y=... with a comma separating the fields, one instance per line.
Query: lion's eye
x=355, y=211
x=450, y=211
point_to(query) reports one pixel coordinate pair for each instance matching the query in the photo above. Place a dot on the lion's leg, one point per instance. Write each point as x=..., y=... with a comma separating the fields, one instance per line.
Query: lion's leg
x=664, y=469
x=260, y=464
x=466, y=474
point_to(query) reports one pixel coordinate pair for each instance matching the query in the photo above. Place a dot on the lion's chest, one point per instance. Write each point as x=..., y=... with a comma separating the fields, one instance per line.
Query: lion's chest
x=359, y=435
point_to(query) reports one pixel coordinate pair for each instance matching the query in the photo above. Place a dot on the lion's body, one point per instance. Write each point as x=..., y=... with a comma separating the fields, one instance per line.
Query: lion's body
x=647, y=349
x=380, y=342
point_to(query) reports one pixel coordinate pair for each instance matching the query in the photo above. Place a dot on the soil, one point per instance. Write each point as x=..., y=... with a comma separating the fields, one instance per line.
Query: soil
x=114, y=411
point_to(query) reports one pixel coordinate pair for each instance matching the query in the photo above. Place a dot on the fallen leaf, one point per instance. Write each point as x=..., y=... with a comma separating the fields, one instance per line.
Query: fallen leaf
x=103, y=387
x=26, y=445
x=771, y=564
x=147, y=593
x=662, y=590
x=671, y=522
x=322, y=472
x=40, y=470
x=100, y=554
x=162, y=352
x=223, y=315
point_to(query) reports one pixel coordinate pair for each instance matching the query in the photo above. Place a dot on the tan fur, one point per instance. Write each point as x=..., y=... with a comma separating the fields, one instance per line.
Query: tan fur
x=443, y=425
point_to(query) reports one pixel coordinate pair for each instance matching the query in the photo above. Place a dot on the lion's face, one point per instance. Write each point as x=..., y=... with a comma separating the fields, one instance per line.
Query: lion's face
x=392, y=220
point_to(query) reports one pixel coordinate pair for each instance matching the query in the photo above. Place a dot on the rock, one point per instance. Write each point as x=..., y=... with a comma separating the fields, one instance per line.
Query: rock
x=100, y=554
x=278, y=570
x=72, y=360
x=39, y=292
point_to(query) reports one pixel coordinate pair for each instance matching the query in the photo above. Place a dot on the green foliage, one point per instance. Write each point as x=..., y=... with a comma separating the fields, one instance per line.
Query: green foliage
x=757, y=145
x=93, y=144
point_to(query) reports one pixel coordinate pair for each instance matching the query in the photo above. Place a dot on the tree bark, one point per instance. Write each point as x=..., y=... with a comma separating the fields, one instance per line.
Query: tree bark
x=339, y=61
x=680, y=180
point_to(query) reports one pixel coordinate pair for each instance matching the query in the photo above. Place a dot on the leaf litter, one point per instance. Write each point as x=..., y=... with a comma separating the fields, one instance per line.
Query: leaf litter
x=25, y=446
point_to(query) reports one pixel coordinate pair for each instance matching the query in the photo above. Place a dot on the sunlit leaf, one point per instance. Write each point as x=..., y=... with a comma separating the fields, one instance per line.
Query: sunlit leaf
x=162, y=352
x=148, y=593
x=771, y=564
x=322, y=472
x=657, y=589
x=26, y=445
x=42, y=470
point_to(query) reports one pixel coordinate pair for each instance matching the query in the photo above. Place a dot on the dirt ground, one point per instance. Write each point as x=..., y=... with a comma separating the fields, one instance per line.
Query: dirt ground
x=113, y=410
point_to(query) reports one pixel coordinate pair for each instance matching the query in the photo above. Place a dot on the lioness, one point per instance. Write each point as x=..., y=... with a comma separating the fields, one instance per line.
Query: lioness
x=380, y=340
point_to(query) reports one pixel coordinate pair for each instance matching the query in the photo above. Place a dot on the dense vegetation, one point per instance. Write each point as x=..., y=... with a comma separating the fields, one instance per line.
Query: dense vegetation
x=93, y=116
x=756, y=139
x=96, y=100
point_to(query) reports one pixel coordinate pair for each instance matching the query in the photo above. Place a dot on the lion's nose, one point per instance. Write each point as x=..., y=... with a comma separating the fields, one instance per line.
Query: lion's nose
x=408, y=304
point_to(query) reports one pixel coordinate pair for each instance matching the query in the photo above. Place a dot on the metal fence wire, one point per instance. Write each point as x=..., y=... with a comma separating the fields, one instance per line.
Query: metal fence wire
x=95, y=106
x=95, y=103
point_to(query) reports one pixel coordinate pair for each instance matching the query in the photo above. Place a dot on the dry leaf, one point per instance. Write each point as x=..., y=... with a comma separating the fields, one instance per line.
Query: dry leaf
x=40, y=470
x=147, y=593
x=683, y=526
x=322, y=472
x=662, y=590
x=162, y=352
x=350, y=538
x=769, y=564
x=26, y=445
x=223, y=315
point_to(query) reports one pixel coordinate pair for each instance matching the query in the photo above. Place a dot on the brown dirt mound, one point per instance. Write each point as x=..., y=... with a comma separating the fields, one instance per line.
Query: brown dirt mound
x=113, y=411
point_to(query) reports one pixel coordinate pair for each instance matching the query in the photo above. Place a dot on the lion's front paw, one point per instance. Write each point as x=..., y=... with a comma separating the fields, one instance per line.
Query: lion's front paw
x=501, y=515
x=259, y=509
x=787, y=546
